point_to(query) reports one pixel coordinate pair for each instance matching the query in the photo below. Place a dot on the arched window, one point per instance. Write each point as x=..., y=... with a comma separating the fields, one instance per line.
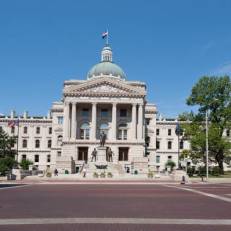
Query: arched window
x=59, y=140
x=24, y=143
x=84, y=131
x=37, y=143
x=122, y=132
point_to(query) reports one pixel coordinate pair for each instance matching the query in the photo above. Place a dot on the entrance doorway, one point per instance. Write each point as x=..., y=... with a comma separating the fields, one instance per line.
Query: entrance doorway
x=83, y=153
x=123, y=154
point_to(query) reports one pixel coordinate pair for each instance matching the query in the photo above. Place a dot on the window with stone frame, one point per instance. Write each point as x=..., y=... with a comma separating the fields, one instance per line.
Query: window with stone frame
x=157, y=159
x=49, y=143
x=24, y=157
x=181, y=144
x=50, y=130
x=25, y=130
x=60, y=120
x=122, y=132
x=48, y=158
x=37, y=130
x=169, y=132
x=157, y=144
x=37, y=143
x=123, y=154
x=85, y=131
x=147, y=141
x=36, y=158
x=169, y=144
x=157, y=131
x=24, y=143
x=59, y=153
x=12, y=130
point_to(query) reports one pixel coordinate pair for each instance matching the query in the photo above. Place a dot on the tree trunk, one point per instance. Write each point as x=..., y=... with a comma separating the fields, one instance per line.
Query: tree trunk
x=220, y=160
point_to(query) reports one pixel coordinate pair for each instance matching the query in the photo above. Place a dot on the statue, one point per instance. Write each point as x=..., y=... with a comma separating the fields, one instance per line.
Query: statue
x=102, y=139
x=109, y=155
x=93, y=155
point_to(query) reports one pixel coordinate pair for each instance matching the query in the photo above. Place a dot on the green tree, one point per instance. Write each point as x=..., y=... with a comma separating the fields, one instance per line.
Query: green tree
x=212, y=94
x=7, y=155
x=25, y=164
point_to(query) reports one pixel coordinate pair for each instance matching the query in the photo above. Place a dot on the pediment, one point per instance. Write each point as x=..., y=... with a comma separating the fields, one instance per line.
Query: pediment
x=104, y=87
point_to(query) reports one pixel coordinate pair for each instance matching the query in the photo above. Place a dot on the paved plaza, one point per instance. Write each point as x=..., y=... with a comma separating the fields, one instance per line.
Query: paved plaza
x=115, y=206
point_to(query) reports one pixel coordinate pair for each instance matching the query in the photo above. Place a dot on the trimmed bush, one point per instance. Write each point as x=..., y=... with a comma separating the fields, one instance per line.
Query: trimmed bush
x=102, y=175
x=109, y=175
x=95, y=175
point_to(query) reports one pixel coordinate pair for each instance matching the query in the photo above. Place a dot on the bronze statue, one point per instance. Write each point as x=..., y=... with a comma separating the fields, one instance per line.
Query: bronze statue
x=103, y=137
x=109, y=155
x=93, y=155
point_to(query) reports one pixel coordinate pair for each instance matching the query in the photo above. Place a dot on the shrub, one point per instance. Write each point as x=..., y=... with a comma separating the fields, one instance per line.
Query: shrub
x=66, y=171
x=136, y=172
x=48, y=174
x=102, y=175
x=150, y=174
x=109, y=174
x=215, y=171
x=25, y=164
x=170, y=164
x=95, y=175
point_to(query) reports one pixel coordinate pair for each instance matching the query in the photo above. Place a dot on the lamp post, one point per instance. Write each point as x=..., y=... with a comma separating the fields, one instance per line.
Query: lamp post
x=178, y=131
x=207, y=146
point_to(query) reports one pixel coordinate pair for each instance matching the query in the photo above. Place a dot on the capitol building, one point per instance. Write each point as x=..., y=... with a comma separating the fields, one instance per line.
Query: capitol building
x=104, y=103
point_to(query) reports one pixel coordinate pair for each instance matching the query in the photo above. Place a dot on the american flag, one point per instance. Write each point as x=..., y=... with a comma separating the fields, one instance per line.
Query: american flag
x=13, y=123
x=104, y=34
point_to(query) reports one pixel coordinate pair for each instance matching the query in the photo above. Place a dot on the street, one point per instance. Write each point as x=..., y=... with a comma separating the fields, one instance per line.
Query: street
x=131, y=206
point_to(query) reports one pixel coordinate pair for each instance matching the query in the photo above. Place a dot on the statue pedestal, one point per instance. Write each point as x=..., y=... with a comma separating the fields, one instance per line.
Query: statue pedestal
x=101, y=157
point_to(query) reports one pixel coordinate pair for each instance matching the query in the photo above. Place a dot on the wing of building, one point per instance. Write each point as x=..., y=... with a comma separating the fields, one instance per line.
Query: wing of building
x=106, y=102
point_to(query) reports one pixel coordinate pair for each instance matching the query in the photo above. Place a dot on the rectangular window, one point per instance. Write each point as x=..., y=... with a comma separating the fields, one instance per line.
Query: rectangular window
x=37, y=130
x=157, y=144
x=48, y=158
x=104, y=112
x=169, y=144
x=25, y=130
x=147, y=121
x=157, y=159
x=12, y=130
x=36, y=158
x=123, y=154
x=123, y=112
x=37, y=143
x=85, y=112
x=24, y=143
x=169, y=132
x=23, y=157
x=49, y=143
x=59, y=153
x=83, y=153
x=157, y=131
x=181, y=144
x=50, y=130
x=60, y=120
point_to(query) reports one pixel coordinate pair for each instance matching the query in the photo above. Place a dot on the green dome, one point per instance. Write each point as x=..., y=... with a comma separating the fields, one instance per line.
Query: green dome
x=106, y=68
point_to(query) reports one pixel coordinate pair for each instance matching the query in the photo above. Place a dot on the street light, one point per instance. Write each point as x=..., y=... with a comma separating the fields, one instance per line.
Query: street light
x=178, y=132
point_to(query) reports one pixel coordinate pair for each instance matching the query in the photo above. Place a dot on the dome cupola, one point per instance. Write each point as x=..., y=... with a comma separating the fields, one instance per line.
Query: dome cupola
x=106, y=67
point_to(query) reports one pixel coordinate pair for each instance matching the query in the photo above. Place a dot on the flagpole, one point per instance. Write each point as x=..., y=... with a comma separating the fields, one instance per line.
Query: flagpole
x=107, y=36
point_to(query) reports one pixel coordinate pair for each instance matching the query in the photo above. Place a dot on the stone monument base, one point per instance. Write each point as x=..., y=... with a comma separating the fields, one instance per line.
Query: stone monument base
x=101, y=161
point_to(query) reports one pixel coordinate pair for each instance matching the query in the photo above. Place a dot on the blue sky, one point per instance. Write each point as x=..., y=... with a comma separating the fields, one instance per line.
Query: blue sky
x=167, y=44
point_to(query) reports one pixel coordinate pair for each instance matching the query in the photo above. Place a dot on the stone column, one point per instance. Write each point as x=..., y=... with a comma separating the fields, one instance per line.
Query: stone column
x=133, y=130
x=140, y=122
x=93, y=121
x=66, y=115
x=113, y=121
x=73, y=121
